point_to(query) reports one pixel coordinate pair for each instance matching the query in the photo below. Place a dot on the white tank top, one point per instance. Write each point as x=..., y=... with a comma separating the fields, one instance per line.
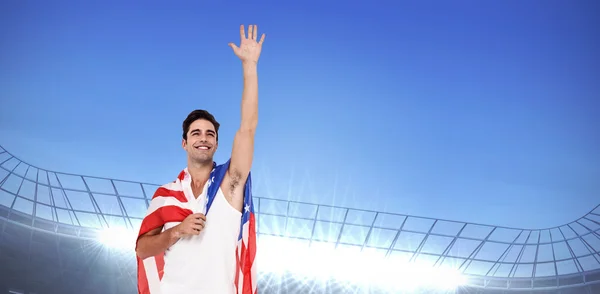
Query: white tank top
x=204, y=263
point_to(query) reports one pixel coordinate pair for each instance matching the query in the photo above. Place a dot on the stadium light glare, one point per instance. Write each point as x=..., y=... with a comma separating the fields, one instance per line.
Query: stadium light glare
x=117, y=238
x=321, y=261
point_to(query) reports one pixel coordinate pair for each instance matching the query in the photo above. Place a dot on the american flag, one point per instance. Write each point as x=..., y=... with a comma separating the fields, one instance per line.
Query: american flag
x=167, y=205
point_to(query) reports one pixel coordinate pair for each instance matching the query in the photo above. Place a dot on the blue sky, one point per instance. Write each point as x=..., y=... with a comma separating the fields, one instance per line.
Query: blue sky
x=464, y=110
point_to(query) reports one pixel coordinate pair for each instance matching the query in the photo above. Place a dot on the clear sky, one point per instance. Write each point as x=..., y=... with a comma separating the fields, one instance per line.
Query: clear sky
x=483, y=111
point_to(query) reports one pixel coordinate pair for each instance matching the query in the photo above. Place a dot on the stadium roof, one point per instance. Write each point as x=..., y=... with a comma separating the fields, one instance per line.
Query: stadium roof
x=488, y=256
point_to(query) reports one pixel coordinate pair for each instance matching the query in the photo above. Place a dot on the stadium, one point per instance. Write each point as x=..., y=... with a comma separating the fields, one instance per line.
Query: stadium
x=66, y=233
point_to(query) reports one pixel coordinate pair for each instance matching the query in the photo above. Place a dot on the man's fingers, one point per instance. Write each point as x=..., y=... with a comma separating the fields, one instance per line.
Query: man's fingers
x=255, y=32
x=197, y=228
x=242, y=32
x=200, y=215
x=193, y=230
x=250, y=32
x=236, y=49
x=262, y=39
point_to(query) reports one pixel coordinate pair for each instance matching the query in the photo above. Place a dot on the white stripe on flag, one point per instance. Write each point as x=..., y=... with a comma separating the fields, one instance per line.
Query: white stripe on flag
x=245, y=231
x=162, y=201
x=173, y=186
x=152, y=275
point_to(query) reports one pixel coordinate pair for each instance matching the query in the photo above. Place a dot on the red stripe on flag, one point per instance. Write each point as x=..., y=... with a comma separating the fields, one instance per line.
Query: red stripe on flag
x=179, y=195
x=160, y=265
x=248, y=252
x=174, y=213
x=251, y=242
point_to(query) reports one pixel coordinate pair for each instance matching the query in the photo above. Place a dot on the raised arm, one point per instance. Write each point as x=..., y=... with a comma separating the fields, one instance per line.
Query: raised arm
x=243, y=143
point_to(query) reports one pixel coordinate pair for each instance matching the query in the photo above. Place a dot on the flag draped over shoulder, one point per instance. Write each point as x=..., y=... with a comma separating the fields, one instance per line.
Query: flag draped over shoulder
x=168, y=205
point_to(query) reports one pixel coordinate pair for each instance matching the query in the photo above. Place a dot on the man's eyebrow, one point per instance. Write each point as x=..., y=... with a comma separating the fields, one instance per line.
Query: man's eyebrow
x=198, y=130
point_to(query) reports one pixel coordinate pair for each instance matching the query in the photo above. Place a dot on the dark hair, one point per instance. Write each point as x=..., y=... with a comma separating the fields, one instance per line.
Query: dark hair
x=196, y=115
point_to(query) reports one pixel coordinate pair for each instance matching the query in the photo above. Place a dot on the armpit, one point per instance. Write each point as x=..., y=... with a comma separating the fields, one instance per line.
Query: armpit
x=234, y=182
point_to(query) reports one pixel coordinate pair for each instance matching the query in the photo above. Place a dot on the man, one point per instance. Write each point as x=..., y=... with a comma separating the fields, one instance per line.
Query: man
x=191, y=240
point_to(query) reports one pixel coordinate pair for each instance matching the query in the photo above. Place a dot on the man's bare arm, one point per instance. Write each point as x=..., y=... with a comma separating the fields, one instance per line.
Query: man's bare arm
x=155, y=242
x=243, y=143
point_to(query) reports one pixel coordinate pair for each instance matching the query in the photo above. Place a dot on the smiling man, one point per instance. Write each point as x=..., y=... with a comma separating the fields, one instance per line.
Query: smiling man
x=198, y=235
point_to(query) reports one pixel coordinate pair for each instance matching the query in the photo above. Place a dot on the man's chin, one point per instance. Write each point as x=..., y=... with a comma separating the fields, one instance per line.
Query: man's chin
x=202, y=159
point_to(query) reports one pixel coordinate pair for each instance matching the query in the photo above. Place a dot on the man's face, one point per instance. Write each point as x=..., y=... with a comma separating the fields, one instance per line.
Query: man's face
x=201, y=143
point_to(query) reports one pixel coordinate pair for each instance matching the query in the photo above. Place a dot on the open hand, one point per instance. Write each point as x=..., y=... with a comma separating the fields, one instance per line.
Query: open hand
x=249, y=50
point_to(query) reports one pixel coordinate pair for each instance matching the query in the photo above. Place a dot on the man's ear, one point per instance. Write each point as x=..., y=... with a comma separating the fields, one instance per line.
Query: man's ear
x=183, y=143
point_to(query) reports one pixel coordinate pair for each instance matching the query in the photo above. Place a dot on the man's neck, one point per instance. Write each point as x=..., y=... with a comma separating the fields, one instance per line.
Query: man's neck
x=199, y=173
